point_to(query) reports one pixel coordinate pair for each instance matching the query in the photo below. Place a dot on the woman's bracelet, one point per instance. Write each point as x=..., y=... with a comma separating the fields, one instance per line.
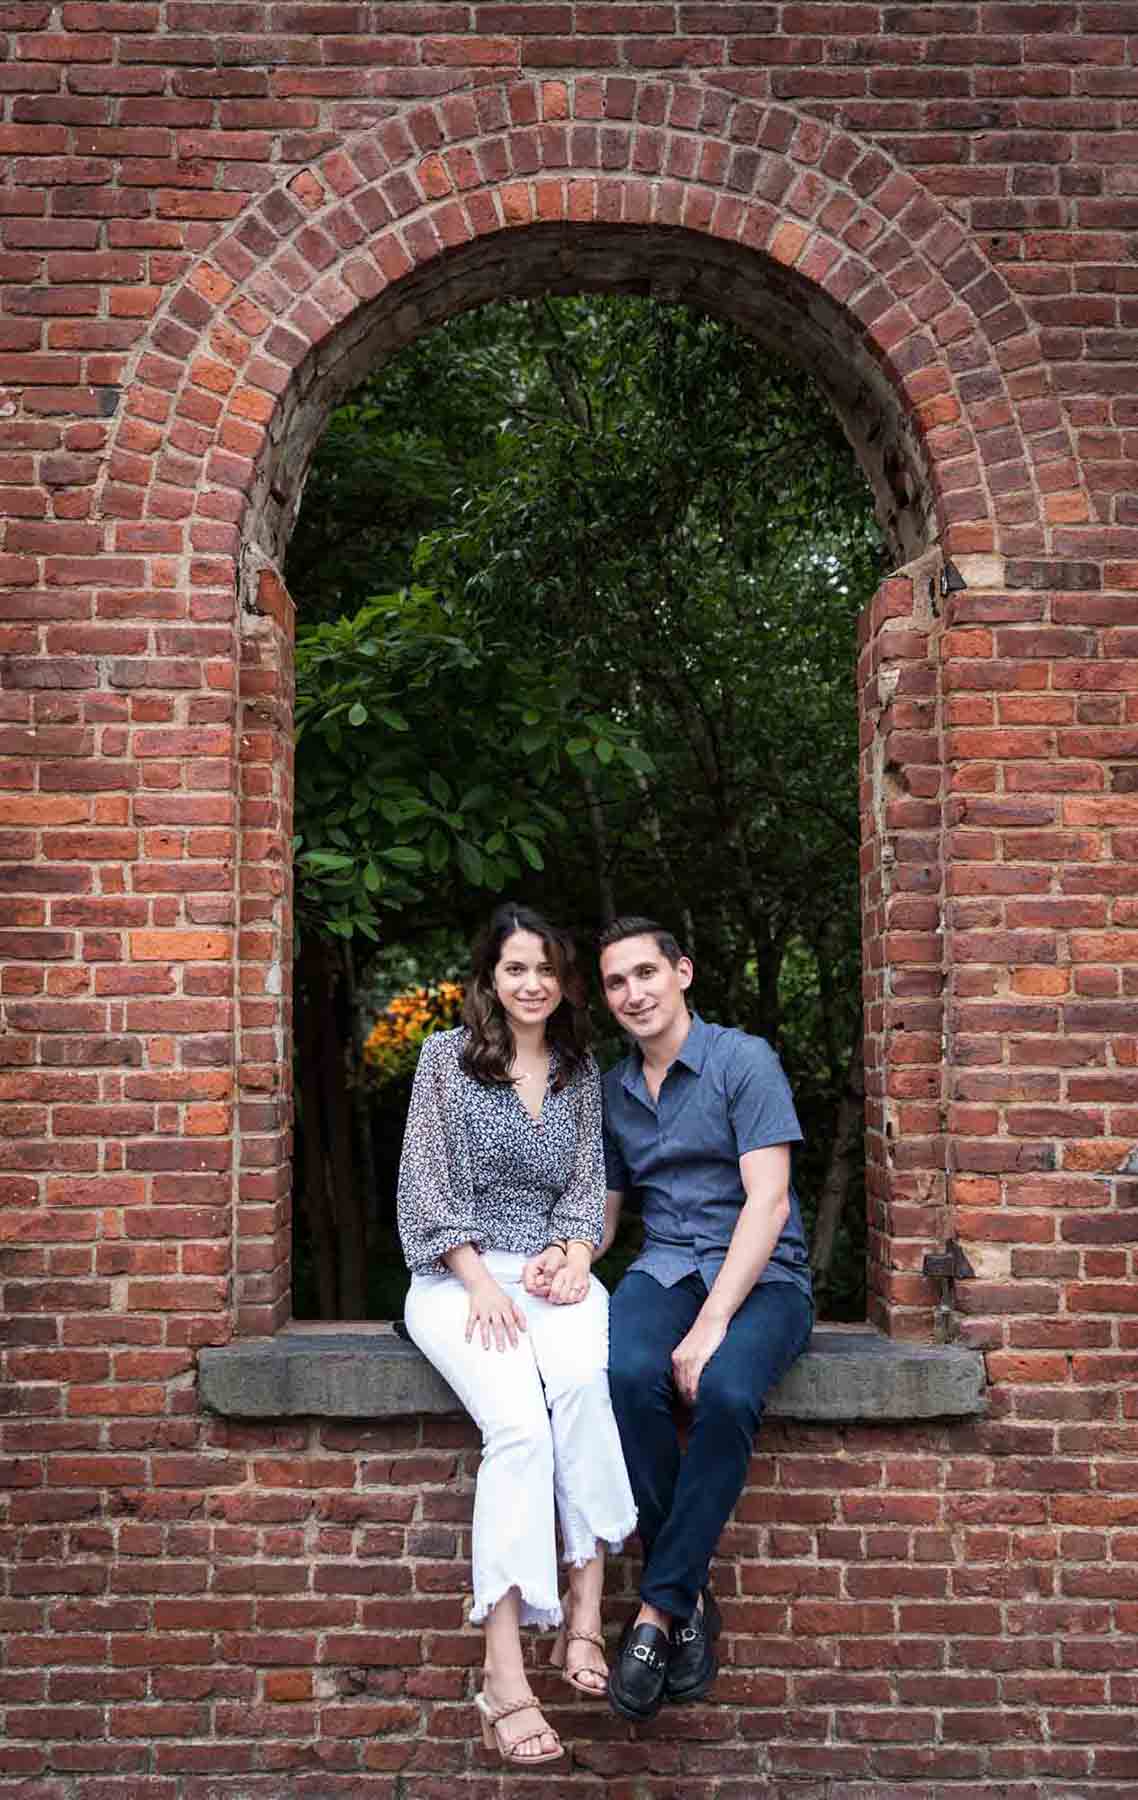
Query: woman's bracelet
x=563, y=1244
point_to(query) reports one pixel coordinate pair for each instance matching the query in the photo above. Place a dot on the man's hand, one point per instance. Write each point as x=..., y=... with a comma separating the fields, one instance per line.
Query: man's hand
x=537, y=1276
x=693, y=1353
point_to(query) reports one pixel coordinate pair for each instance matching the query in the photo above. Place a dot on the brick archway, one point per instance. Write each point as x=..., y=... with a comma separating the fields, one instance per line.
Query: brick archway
x=811, y=240
x=928, y=357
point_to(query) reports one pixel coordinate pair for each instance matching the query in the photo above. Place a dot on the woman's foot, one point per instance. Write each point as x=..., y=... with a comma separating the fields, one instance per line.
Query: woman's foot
x=579, y=1651
x=520, y=1729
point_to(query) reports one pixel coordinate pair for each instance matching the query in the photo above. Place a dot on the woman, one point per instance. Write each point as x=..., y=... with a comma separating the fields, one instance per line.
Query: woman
x=501, y=1204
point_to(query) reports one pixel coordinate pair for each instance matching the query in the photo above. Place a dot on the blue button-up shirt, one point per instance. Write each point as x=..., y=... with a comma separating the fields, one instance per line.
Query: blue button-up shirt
x=724, y=1094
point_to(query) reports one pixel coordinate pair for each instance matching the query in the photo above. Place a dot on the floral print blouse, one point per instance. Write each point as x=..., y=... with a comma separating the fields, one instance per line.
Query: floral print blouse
x=478, y=1169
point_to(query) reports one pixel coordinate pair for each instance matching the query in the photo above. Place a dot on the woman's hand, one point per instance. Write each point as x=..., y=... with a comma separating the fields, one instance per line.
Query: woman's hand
x=540, y=1270
x=494, y=1315
x=571, y=1282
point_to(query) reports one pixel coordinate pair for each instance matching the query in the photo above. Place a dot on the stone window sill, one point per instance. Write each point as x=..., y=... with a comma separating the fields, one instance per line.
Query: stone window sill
x=364, y=1371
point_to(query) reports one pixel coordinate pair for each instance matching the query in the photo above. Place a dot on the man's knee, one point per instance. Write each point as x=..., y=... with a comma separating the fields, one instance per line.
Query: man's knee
x=635, y=1371
x=729, y=1397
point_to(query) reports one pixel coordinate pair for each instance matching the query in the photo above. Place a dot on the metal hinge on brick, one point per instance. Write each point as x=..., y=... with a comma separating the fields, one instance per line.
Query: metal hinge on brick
x=946, y=1267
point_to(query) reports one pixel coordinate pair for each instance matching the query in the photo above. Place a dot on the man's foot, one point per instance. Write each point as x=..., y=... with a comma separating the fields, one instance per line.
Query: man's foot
x=636, y=1680
x=693, y=1663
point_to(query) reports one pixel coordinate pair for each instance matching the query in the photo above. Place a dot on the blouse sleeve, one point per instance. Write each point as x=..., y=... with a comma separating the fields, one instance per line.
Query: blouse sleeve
x=579, y=1212
x=435, y=1201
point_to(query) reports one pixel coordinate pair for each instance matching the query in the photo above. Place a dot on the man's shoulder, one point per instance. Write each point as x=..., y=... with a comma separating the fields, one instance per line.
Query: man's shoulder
x=612, y=1080
x=730, y=1043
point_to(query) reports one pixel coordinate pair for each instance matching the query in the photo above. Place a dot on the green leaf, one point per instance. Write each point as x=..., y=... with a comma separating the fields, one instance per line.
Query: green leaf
x=439, y=787
x=470, y=862
x=358, y=714
x=603, y=750
x=403, y=856
x=530, y=851
x=476, y=797
x=327, y=859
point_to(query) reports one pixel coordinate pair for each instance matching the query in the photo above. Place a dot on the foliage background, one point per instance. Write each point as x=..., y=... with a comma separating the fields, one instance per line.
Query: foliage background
x=578, y=583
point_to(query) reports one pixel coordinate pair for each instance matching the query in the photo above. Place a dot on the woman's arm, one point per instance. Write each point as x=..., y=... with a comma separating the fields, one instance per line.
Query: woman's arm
x=436, y=1189
x=578, y=1217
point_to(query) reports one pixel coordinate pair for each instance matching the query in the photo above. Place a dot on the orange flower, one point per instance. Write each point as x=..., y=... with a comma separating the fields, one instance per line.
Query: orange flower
x=392, y=1045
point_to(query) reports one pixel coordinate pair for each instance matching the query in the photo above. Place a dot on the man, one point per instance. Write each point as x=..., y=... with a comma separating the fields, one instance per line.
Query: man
x=699, y=1122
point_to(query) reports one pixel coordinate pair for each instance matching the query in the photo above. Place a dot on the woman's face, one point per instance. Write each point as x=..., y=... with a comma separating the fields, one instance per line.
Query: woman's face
x=525, y=980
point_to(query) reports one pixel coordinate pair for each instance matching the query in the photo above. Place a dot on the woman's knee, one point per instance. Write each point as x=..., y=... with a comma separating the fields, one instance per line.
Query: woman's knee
x=522, y=1437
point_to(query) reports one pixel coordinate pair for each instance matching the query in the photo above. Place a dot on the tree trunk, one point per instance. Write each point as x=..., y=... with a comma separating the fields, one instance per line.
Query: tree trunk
x=768, y=963
x=844, y=1155
x=599, y=834
x=314, y=1194
x=332, y=1198
x=361, y=1109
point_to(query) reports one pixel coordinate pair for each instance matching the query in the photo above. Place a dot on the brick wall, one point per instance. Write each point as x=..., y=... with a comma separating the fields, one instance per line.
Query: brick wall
x=212, y=219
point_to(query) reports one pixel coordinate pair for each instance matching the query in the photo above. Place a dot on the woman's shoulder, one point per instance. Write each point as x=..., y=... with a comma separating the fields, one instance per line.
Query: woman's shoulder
x=444, y=1046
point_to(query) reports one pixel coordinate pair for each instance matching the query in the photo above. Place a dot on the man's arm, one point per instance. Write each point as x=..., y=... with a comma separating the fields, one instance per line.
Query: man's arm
x=614, y=1200
x=766, y=1182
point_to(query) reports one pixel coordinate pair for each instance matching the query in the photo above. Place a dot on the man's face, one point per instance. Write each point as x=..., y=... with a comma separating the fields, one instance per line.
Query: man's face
x=645, y=993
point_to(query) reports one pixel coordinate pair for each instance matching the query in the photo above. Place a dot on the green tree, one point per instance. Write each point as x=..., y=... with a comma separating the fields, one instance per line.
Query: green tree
x=654, y=533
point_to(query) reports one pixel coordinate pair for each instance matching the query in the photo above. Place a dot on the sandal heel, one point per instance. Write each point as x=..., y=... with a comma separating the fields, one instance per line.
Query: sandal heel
x=558, y=1652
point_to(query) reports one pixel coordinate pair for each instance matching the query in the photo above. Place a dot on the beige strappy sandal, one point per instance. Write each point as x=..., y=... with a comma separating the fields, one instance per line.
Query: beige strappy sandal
x=559, y=1659
x=494, y=1739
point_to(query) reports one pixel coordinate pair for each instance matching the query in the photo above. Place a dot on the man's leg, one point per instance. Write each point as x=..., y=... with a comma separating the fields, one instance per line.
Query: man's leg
x=646, y=1322
x=770, y=1329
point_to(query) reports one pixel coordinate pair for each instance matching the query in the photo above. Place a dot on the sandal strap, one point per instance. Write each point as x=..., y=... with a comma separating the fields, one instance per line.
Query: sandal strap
x=496, y=1714
x=584, y=1637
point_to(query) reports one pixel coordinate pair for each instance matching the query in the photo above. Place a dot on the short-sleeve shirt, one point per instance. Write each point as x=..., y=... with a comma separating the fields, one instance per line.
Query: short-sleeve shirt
x=724, y=1094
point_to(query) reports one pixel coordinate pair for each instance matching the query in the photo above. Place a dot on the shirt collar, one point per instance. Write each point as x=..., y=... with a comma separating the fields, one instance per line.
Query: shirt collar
x=692, y=1054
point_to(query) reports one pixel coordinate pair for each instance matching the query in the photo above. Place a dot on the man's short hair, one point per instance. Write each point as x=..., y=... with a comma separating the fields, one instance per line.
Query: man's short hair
x=630, y=926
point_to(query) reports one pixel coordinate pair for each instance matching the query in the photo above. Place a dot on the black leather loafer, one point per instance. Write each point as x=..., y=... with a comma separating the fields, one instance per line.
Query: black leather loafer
x=640, y=1668
x=694, y=1662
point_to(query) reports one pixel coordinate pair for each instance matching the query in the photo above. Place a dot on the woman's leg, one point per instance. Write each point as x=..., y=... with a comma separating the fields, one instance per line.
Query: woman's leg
x=514, y=1546
x=514, y=1537
x=594, y=1497
x=584, y=1658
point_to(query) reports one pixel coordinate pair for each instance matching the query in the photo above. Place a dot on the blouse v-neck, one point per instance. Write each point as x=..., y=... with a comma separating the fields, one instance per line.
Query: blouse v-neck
x=535, y=1117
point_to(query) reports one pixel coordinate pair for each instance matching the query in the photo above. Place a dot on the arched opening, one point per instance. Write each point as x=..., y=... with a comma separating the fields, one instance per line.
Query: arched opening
x=802, y=235
x=655, y=532
x=786, y=314
x=772, y=303
x=783, y=313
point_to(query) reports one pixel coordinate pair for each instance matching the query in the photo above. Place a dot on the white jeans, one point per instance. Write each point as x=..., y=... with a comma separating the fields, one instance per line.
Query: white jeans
x=547, y=1429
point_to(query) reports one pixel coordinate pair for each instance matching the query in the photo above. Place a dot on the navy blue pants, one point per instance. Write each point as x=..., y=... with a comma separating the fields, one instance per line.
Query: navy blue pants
x=685, y=1500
